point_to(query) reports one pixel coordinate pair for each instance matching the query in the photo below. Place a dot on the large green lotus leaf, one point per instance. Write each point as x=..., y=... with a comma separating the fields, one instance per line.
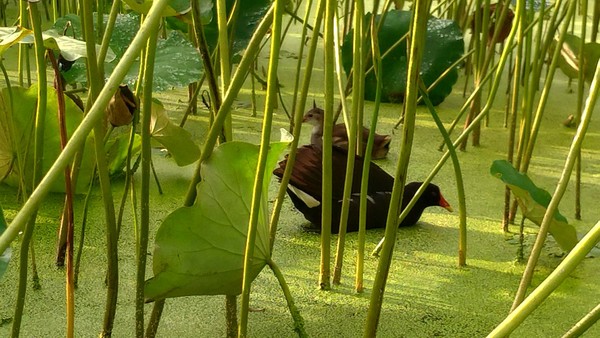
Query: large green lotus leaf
x=17, y=137
x=199, y=250
x=71, y=49
x=534, y=201
x=126, y=26
x=444, y=45
x=4, y=256
x=175, y=7
x=249, y=15
x=177, y=62
x=175, y=139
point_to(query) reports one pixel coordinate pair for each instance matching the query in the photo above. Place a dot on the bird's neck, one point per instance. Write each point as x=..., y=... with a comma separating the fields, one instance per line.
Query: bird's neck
x=316, y=136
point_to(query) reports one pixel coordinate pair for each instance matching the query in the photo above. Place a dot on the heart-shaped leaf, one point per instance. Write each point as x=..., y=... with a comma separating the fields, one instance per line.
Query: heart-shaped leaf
x=17, y=137
x=444, y=45
x=534, y=201
x=175, y=139
x=4, y=256
x=199, y=250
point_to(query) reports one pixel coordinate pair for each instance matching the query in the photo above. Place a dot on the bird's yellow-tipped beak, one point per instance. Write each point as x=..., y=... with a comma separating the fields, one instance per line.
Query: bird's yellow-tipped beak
x=444, y=204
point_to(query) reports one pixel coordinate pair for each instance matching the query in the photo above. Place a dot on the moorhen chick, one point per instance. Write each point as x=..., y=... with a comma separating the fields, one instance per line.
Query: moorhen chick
x=305, y=190
x=381, y=144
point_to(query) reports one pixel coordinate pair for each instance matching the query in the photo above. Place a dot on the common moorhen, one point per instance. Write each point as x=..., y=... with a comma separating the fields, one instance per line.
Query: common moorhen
x=381, y=144
x=305, y=190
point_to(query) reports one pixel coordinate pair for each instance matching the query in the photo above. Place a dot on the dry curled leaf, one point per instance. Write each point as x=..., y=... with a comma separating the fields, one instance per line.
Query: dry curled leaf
x=121, y=107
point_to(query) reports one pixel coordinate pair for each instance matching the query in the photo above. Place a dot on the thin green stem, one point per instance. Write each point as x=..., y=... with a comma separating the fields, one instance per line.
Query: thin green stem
x=303, y=34
x=79, y=136
x=357, y=104
x=584, y=324
x=225, y=59
x=362, y=225
x=209, y=72
x=326, y=199
x=40, y=118
x=68, y=208
x=418, y=30
x=560, y=189
x=297, y=121
x=460, y=187
x=537, y=296
x=257, y=191
x=296, y=316
x=110, y=25
x=142, y=234
x=236, y=84
x=546, y=91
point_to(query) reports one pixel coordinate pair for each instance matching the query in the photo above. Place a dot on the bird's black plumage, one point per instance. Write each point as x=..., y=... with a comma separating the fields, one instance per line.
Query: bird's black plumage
x=306, y=181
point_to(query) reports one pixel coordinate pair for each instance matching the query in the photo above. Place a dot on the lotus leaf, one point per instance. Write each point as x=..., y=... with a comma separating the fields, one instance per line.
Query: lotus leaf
x=17, y=137
x=444, y=45
x=71, y=49
x=533, y=202
x=199, y=250
x=175, y=139
x=167, y=73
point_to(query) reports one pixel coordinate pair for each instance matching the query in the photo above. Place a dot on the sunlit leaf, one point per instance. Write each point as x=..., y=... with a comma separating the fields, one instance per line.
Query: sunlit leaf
x=10, y=36
x=444, y=45
x=533, y=202
x=17, y=137
x=175, y=139
x=4, y=256
x=71, y=49
x=199, y=250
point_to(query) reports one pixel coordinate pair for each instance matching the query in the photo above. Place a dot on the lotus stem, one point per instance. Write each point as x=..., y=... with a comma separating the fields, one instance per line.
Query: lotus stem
x=40, y=118
x=364, y=184
x=326, y=199
x=418, y=31
x=225, y=59
x=537, y=296
x=357, y=104
x=234, y=88
x=560, y=189
x=460, y=187
x=310, y=58
x=296, y=316
x=584, y=324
